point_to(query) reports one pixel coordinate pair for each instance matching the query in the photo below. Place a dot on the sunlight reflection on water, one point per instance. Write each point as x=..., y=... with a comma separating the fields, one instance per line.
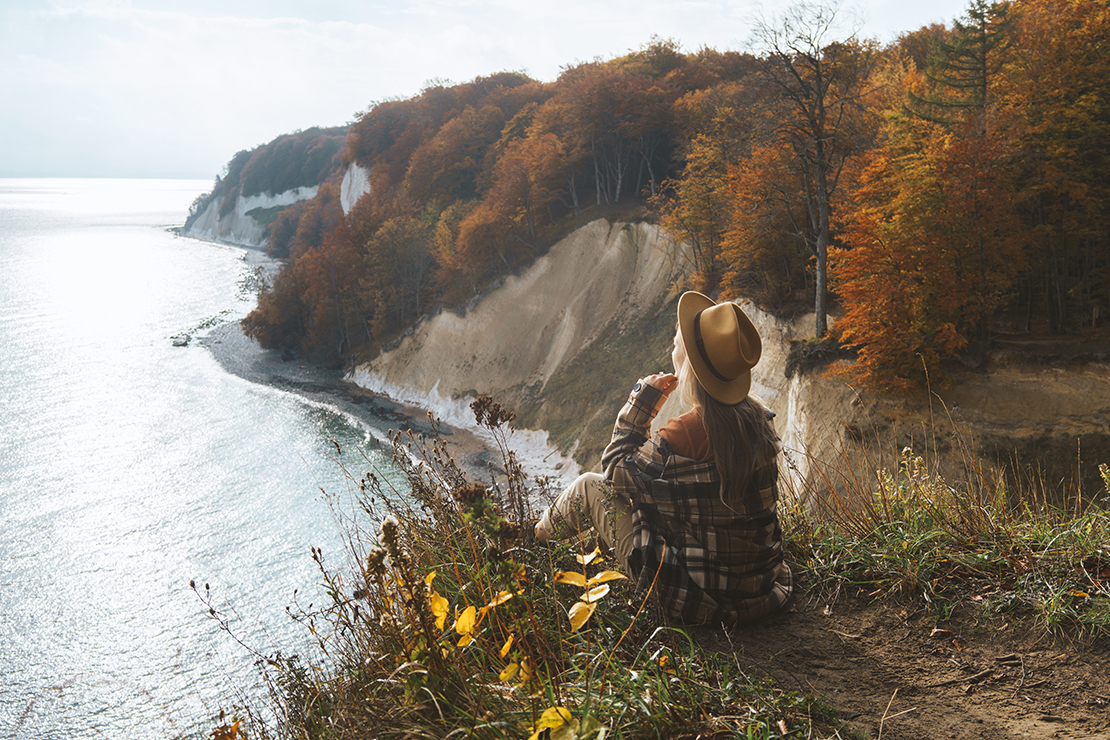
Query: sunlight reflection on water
x=130, y=466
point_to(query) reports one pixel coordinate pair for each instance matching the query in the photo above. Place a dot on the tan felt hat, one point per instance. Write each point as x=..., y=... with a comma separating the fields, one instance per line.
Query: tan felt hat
x=722, y=345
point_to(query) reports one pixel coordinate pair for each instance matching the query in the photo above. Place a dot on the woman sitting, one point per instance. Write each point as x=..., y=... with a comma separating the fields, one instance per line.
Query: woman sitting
x=692, y=513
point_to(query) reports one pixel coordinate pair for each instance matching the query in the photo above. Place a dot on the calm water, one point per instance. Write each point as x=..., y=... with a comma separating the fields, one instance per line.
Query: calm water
x=129, y=466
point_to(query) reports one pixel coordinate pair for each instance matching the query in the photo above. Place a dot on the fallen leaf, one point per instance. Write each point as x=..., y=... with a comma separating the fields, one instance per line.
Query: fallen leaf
x=464, y=625
x=939, y=634
x=553, y=718
x=439, y=609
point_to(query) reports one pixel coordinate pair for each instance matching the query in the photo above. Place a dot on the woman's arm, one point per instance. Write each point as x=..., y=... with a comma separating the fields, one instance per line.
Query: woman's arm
x=634, y=420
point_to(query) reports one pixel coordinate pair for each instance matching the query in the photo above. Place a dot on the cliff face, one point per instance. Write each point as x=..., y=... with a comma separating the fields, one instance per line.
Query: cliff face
x=356, y=183
x=245, y=222
x=239, y=225
x=563, y=342
x=520, y=342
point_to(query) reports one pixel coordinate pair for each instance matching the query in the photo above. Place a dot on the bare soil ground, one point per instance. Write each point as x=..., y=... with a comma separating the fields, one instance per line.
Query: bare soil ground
x=895, y=673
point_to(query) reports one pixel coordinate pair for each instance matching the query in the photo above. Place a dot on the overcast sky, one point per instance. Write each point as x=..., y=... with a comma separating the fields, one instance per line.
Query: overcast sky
x=156, y=88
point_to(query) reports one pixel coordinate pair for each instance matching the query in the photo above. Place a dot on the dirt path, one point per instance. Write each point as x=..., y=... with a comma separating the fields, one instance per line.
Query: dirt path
x=892, y=676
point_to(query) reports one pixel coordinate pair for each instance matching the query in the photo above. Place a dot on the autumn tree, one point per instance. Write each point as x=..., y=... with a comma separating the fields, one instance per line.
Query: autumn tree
x=1055, y=87
x=552, y=119
x=818, y=115
x=694, y=207
x=619, y=118
x=329, y=279
x=447, y=166
x=313, y=304
x=926, y=258
x=396, y=289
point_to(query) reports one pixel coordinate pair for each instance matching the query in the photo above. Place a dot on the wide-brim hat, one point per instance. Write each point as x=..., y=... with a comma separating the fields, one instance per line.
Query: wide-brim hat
x=722, y=345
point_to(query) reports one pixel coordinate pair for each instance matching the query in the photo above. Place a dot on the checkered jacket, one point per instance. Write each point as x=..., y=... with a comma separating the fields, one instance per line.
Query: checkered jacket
x=706, y=562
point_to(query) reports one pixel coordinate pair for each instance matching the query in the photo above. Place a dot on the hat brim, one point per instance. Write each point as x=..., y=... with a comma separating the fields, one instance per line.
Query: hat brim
x=730, y=393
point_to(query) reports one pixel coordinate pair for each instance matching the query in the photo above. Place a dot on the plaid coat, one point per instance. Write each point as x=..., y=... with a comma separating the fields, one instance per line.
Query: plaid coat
x=709, y=563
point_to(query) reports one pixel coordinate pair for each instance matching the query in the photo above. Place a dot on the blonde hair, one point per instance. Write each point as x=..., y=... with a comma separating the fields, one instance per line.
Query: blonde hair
x=741, y=436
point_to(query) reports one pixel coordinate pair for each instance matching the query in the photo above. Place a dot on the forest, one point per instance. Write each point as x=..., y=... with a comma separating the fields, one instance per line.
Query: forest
x=930, y=194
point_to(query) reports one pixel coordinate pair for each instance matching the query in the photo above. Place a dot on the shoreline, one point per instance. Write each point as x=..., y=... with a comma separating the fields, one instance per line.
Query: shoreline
x=241, y=356
x=377, y=410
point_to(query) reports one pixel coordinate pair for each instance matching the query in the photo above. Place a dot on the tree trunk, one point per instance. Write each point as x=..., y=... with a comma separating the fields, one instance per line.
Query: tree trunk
x=823, y=218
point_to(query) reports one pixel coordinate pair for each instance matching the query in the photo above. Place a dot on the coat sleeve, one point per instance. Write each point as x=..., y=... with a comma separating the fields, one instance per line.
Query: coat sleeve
x=632, y=429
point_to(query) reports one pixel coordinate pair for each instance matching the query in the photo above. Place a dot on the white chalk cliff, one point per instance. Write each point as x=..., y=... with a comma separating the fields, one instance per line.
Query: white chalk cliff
x=356, y=183
x=238, y=226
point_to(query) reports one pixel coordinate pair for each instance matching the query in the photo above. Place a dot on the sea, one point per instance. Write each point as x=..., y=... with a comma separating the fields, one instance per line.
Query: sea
x=130, y=467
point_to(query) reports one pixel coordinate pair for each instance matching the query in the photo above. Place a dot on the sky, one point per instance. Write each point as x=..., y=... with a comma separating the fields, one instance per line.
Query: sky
x=157, y=88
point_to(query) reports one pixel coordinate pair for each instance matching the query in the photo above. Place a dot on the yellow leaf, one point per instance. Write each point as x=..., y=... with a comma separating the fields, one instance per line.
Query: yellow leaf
x=605, y=575
x=579, y=613
x=596, y=593
x=501, y=598
x=553, y=718
x=505, y=648
x=429, y=578
x=439, y=609
x=525, y=670
x=510, y=671
x=464, y=625
x=574, y=579
x=1080, y=594
x=465, y=639
x=587, y=559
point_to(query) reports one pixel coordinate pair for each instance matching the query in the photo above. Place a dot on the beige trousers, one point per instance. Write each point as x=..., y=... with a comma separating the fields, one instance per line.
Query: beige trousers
x=591, y=502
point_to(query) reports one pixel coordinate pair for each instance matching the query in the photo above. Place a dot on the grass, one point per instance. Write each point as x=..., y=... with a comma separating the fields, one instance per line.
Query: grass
x=909, y=533
x=452, y=622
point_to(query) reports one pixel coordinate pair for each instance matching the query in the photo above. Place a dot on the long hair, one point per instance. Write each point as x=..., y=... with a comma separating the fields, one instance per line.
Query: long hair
x=742, y=437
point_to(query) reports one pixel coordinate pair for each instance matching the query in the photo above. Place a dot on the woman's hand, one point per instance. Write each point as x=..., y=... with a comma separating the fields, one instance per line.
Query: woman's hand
x=665, y=382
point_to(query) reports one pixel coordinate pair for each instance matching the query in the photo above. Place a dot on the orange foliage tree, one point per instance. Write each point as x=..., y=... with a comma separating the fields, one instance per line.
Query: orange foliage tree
x=1056, y=90
x=931, y=250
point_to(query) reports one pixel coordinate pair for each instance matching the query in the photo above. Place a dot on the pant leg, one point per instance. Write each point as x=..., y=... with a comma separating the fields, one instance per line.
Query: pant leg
x=590, y=502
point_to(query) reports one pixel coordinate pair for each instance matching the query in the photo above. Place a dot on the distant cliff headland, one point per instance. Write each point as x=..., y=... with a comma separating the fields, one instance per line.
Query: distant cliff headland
x=919, y=230
x=257, y=185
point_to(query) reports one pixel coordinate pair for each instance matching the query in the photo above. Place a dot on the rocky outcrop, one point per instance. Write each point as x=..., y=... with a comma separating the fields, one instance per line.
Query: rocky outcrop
x=238, y=224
